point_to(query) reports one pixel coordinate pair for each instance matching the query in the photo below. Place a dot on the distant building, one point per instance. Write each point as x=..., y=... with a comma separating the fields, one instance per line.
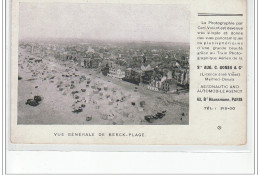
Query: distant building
x=90, y=50
x=94, y=63
x=89, y=63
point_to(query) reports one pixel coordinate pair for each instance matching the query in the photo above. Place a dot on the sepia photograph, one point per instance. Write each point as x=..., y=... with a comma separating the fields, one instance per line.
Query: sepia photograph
x=103, y=64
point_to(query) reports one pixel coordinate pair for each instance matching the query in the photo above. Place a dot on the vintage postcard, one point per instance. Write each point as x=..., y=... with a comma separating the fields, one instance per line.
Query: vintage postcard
x=128, y=72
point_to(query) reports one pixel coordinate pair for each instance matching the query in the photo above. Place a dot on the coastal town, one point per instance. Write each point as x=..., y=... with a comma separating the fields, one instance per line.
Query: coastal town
x=105, y=82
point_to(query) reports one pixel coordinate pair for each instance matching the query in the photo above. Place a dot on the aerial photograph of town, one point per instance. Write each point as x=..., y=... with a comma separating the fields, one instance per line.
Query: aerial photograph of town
x=134, y=70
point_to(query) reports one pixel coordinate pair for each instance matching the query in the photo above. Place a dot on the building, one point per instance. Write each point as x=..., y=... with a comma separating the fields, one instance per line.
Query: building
x=146, y=74
x=136, y=74
x=162, y=84
x=128, y=73
x=168, y=85
x=116, y=71
x=154, y=85
x=133, y=75
x=89, y=63
x=182, y=77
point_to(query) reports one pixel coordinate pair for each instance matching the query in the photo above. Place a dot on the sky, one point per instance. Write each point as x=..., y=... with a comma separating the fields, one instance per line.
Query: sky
x=116, y=22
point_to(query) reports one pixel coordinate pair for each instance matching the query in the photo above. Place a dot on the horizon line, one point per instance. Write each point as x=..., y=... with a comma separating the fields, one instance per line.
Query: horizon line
x=104, y=40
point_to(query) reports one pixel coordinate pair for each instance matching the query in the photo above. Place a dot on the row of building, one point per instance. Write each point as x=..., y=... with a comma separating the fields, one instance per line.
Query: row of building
x=163, y=77
x=153, y=78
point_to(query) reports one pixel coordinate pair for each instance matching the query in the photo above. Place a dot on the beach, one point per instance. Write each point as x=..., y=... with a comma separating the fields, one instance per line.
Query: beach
x=72, y=95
